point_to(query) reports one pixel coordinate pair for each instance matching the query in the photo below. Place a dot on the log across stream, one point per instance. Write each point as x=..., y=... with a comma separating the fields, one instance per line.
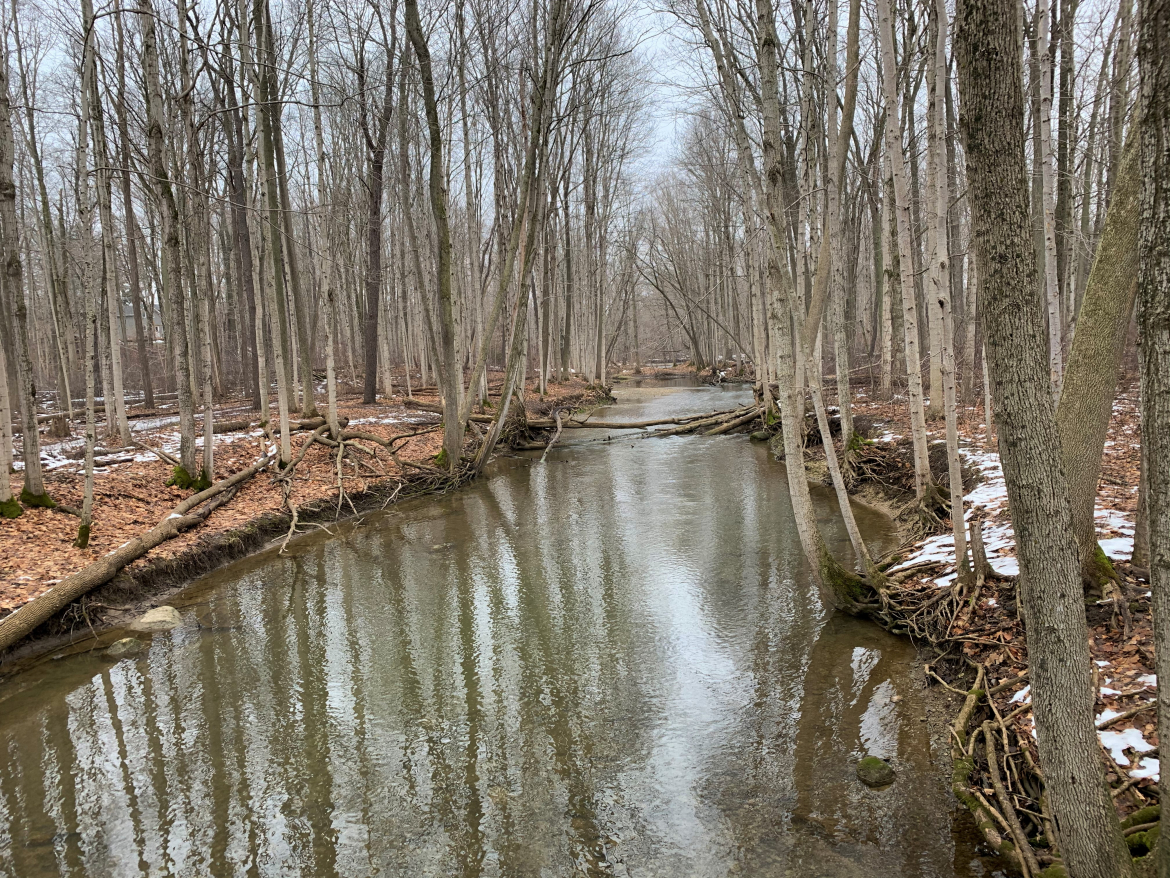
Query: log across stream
x=604, y=660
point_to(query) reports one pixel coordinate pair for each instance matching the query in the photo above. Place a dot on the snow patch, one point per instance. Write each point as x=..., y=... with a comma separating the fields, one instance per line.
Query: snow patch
x=1118, y=742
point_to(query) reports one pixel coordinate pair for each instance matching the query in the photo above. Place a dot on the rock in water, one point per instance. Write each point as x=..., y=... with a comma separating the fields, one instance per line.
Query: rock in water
x=127, y=646
x=874, y=772
x=760, y=436
x=158, y=619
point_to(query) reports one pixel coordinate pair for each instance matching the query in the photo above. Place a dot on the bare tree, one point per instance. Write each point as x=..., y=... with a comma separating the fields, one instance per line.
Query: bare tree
x=987, y=47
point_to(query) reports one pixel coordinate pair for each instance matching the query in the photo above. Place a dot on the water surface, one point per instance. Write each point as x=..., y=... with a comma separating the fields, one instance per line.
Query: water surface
x=611, y=662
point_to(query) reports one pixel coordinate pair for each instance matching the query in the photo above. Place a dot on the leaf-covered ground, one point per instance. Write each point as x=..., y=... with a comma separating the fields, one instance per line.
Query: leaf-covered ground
x=131, y=495
x=990, y=632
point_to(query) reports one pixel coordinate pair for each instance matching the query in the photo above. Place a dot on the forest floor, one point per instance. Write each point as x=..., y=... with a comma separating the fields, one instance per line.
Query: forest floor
x=984, y=626
x=131, y=494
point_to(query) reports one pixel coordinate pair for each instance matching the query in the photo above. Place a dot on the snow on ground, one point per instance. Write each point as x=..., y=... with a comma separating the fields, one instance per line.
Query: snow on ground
x=393, y=419
x=998, y=538
x=1115, y=741
x=1116, y=531
x=1118, y=742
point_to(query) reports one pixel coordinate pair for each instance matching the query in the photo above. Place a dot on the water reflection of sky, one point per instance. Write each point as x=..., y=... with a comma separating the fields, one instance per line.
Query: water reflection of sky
x=608, y=663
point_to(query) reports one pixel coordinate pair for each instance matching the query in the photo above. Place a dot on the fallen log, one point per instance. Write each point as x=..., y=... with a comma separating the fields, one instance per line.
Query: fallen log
x=712, y=421
x=24, y=619
x=434, y=407
x=642, y=425
x=737, y=422
x=231, y=426
x=310, y=424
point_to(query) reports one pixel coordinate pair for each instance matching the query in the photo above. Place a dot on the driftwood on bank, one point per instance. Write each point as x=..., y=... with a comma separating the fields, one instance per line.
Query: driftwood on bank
x=686, y=423
x=716, y=420
x=192, y=511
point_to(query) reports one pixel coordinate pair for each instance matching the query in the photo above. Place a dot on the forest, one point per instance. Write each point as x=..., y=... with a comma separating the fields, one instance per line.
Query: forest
x=281, y=261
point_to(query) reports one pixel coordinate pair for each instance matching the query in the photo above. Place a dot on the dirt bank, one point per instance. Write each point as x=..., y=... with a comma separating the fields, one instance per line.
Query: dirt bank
x=131, y=496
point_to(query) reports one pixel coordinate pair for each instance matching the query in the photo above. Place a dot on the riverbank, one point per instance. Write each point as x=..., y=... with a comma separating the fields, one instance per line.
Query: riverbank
x=970, y=634
x=972, y=637
x=131, y=496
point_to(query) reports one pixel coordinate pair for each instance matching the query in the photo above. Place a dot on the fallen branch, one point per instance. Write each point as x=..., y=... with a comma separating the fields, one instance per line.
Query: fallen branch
x=1126, y=714
x=23, y=620
x=731, y=425
x=556, y=436
x=157, y=452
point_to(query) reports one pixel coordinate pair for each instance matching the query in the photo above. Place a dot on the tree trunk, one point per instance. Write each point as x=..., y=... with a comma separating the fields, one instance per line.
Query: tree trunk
x=449, y=367
x=9, y=507
x=1154, y=326
x=172, y=268
x=131, y=225
x=33, y=493
x=1048, y=201
x=987, y=46
x=118, y=424
x=940, y=276
x=1094, y=361
x=838, y=586
x=89, y=269
x=923, y=481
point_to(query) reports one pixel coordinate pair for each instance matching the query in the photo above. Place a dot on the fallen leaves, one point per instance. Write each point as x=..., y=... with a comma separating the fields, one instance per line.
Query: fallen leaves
x=36, y=549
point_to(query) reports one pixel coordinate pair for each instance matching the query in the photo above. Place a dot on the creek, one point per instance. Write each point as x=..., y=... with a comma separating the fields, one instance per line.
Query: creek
x=609, y=662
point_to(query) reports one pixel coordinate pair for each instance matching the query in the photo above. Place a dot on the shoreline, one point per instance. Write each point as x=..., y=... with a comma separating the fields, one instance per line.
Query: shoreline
x=150, y=580
x=882, y=484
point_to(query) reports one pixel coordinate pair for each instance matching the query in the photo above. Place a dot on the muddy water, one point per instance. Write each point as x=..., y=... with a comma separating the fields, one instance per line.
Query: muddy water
x=608, y=663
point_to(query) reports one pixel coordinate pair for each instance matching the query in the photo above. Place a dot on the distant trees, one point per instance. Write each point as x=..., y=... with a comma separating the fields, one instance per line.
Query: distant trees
x=245, y=213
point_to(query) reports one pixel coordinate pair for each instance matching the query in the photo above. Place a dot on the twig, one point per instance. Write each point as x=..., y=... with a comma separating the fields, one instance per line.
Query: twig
x=556, y=435
x=945, y=684
x=1027, y=855
x=1126, y=714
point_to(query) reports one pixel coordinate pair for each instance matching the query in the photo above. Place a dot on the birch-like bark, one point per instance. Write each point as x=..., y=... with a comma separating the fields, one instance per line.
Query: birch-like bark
x=1048, y=202
x=923, y=481
x=940, y=281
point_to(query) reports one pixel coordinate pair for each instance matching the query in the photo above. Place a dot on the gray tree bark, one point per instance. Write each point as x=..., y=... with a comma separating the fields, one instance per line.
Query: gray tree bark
x=988, y=38
x=1154, y=326
x=1090, y=379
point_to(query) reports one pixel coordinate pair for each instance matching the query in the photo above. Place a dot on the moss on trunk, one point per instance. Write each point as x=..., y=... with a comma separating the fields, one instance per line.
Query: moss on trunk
x=180, y=478
x=42, y=501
